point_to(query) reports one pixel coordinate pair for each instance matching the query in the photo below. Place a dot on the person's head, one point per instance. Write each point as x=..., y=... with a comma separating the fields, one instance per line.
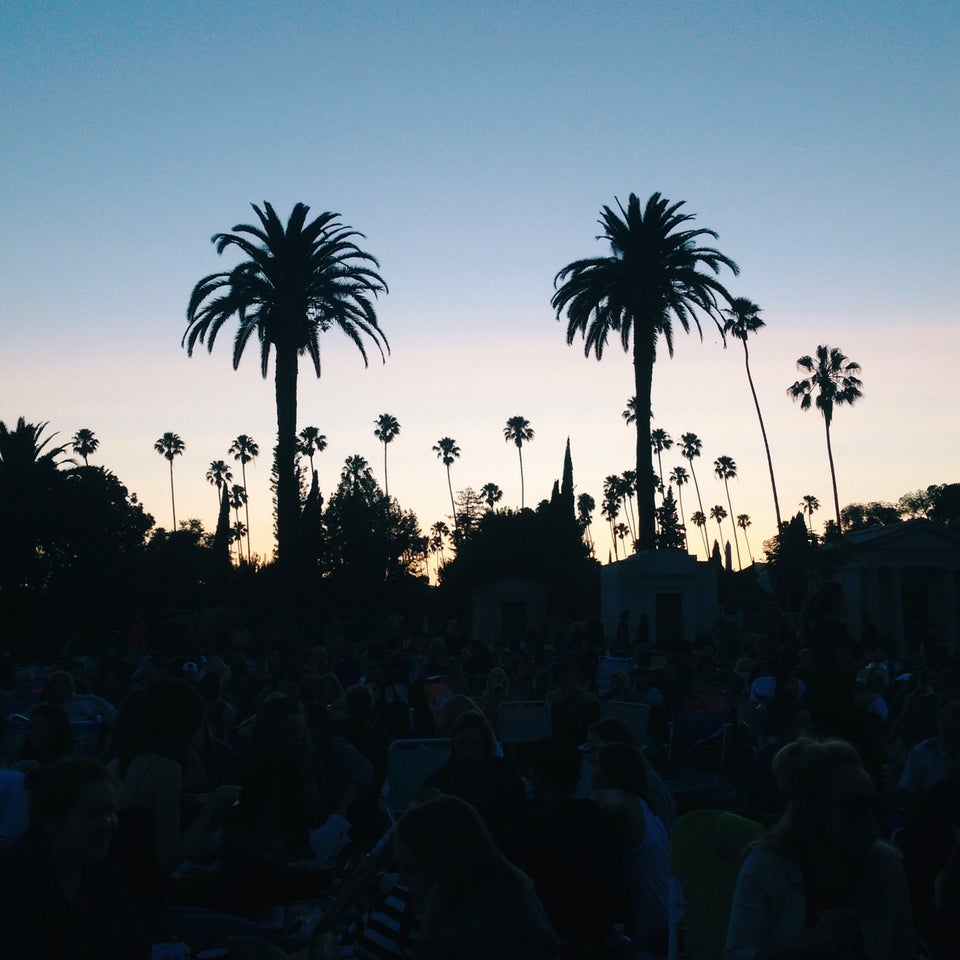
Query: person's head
x=49, y=737
x=359, y=702
x=620, y=766
x=59, y=688
x=556, y=768
x=444, y=848
x=73, y=810
x=619, y=685
x=457, y=706
x=471, y=740
x=610, y=730
x=330, y=689
x=831, y=801
x=280, y=727
x=498, y=683
x=171, y=716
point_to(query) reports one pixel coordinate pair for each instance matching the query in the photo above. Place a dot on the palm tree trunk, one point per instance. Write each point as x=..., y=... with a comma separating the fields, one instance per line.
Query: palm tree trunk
x=173, y=502
x=246, y=507
x=833, y=474
x=703, y=529
x=683, y=522
x=736, y=542
x=288, y=496
x=763, y=431
x=453, y=506
x=643, y=357
x=520, y=455
x=386, y=480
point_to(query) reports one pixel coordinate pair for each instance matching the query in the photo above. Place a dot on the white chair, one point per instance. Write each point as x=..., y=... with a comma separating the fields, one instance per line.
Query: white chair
x=607, y=667
x=524, y=721
x=410, y=762
x=637, y=715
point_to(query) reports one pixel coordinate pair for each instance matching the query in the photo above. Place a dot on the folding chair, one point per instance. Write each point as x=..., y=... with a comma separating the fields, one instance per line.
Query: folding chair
x=705, y=851
x=524, y=721
x=607, y=667
x=637, y=715
x=86, y=737
x=410, y=762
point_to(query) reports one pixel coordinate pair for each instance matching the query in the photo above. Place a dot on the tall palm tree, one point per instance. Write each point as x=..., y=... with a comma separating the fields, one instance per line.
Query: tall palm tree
x=585, y=507
x=84, y=444
x=438, y=535
x=660, y=440
x=628, y=487
x=170, y=446
x=630, y=411
x=298, y=282
x=616, y=492
x=245, y=449
x=833, y=382
x=718, y=513
x=238, y=499
x=519, y=432
x=699, y=519
x=387, y=427
x=651, y=276
x=218, y=474
x=726, y=469
x=310, y=441
x=610, y=510
x=743, y=521
x=680, y=477
x=491, y=494
x=809, y=505
x=742, y=319
x=447, y=450
x=690, y=447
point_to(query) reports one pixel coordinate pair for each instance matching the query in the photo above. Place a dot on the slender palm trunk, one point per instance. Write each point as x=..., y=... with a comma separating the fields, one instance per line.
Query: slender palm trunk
x=746, y=540
x=683, y=522
x=85, y=460
x=643, y=357
x=246, y=506
x=763, y=431
x=703, y=529
x=520, y=455
x=833, y=474
x=173, y=502
x=386, y=481
x=613, y=537
x=288, y=495
x=453, y=506
x=631, y=520
x=736, y=542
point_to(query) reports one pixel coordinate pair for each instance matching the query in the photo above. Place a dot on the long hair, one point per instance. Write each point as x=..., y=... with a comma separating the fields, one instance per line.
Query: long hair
x=55, y=789
x=800, y=770
x=475, y=720
x=454, y=851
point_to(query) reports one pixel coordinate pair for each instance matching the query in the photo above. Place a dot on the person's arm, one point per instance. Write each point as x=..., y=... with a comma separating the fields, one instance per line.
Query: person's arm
x=358, y=767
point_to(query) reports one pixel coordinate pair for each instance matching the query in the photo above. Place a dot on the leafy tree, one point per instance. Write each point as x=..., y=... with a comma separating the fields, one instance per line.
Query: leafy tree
x=809, y=505
x=245, y=449
x=387, y=427
x=793, y=560
x=518, y=431
x=946, y=505
x=448, y=451
x=743, y=521
x=862, y=516
x=651, y=276
x=585, y=507
x=742, y=319
x=439, y=533
x=491, y=494
x=832, y=383
x=680, y=477
x=614, y=491
x=310, y=441
x=169, y=446
x=628, y=487
x=219, y=474
x=690, y=447
x=237, y=497
x=297, y=282
x=919, y=503
x=468, y=511
x=726, y=469
x=85, y=444
x=670, y=535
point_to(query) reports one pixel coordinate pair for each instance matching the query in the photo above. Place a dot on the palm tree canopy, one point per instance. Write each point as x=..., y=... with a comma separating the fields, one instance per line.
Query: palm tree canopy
x=244, y=449
x=518, y=431
x=219, y=473
x=698, y=517
x=22, y=448
x=832, y=381
x=169, y=446
x=491, y=494
x=679, y=476
x=585, y=507
x=311, y=440
x=660, y=440
x=742, y=318
x=718, y=513
x=630, y=411
x=725, y=468
x=650, y=277
x=298, y=281
x=743, y=520
x=387, y=427
x=84, y=443
x=447, y=450
x=690, y=446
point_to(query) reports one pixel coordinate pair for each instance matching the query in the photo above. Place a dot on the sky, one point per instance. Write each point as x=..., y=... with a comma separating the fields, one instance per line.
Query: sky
x=474, y=146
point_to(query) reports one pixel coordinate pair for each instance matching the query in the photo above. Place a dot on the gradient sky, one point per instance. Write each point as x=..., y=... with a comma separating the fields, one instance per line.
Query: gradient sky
x=474, y=145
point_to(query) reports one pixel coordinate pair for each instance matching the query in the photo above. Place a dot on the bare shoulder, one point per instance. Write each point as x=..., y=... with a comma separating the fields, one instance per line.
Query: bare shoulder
x=148, y=775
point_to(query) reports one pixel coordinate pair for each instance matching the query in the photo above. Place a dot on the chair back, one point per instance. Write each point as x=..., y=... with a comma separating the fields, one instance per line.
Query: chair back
x=410, y=762
x=637, y=715
x=607, y=667
x=705, y=851
x=85, y=737
x=524, y=721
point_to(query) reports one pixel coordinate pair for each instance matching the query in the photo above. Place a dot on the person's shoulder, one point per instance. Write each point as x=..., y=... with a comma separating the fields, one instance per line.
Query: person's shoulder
x=769, y=866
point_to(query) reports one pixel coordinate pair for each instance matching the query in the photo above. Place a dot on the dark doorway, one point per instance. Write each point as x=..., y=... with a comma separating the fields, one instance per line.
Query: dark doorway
x=669, y=620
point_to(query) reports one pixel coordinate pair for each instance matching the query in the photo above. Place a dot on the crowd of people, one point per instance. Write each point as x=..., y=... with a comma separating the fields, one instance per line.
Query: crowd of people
x=216, y=789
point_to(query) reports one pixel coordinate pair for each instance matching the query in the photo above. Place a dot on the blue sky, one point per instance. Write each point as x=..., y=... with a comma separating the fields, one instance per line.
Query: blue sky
x=474, y=145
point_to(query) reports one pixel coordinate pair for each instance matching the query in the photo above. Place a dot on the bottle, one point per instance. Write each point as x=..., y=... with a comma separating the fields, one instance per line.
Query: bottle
x=618, y=945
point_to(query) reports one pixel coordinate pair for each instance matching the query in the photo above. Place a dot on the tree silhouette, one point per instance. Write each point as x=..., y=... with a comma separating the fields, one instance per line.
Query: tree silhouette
x=699, y=519
x=491, y=494
x=809, y=505
x=245, y=449
x=438, y=537
x=610, y=510
x=170, y=446
x=630, y=411
x=680, y=477
x=298, y=282
x=718, y=513
x=832, y=383
x=519, y=432
x=585, y=507
x=743, y=521
x=218, y=474
x=238, y=499
x=448, y=451
x=690, y=447
x=650, y=278
x=615, y=491
x=742, y=319
x=84, y=444
x=310, y=441
x=671, y=534
x=726, y=469
x=386, y=429
x=628, y=487
x=660, y=440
